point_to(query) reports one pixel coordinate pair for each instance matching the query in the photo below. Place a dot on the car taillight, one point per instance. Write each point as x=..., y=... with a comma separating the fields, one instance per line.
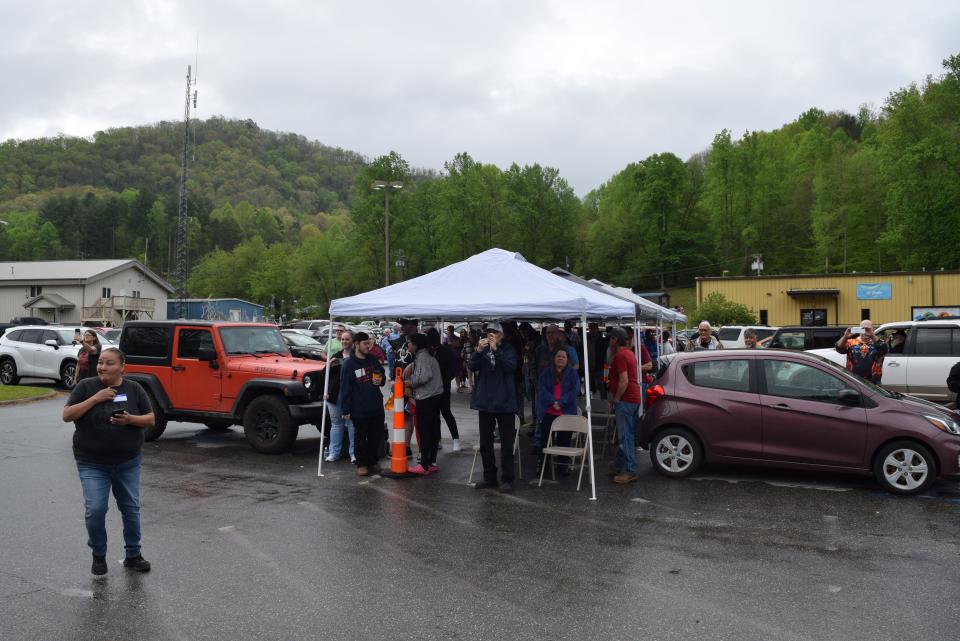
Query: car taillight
x=654, y=394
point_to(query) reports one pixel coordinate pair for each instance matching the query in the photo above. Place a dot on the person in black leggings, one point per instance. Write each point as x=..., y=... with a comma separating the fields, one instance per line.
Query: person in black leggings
x=449, y=366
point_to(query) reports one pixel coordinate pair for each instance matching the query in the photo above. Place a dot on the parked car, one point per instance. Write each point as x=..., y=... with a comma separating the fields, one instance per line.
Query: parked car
x=40, y=351
x=303, y=346
x=919, y=359
x=802, y=338
x=793, y=410
x=28, y=320
x=222, y=374
x=310, y=325
x=732, y=335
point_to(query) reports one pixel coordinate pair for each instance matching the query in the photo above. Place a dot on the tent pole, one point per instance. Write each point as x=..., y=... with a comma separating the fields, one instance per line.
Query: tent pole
x=586, y=382
x=636, y=346
x=326, y=388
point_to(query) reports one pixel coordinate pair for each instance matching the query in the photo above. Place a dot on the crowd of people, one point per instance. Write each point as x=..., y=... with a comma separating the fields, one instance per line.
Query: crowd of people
x=517, y=375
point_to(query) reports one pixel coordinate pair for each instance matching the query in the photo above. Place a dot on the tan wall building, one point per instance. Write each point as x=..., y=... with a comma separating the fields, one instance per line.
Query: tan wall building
x=840, y=299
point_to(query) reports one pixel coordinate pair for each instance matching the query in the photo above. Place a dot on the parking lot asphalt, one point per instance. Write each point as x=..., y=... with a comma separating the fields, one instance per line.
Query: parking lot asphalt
x=248, y=546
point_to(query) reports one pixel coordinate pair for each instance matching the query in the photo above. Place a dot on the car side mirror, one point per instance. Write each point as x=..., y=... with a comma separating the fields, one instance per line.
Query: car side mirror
x=209, y=355
x=52, y=343
x=848, y=397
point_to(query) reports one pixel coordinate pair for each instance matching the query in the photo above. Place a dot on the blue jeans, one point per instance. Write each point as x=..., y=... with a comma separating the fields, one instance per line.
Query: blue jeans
x=627, y=416
x=98, y=480
x=337, y=424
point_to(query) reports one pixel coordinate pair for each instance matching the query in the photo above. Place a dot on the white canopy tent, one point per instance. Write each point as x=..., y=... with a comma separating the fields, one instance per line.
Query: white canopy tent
x=495, y=284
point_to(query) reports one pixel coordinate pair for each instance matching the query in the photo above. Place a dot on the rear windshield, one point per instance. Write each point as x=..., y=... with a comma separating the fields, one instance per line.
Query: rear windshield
x=729, y=333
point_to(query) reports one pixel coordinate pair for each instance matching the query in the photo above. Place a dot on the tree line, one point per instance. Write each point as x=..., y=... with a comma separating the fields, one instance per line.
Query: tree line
x=284, y=221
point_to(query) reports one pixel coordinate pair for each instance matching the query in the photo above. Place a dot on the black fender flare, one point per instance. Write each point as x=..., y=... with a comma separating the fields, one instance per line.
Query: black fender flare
x=153, y=386
x=290, y=390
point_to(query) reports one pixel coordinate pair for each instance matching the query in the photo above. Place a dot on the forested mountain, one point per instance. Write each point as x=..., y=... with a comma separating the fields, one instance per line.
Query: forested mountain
x=279, y=219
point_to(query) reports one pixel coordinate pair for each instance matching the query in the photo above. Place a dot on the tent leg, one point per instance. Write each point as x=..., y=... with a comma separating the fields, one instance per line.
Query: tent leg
x=586, y=382
x=326, y=388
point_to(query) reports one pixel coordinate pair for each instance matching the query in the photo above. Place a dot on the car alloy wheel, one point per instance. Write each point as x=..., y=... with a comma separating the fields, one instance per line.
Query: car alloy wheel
x=676, y=452
x=67, y=373
x=8, y=373
x=905, y=469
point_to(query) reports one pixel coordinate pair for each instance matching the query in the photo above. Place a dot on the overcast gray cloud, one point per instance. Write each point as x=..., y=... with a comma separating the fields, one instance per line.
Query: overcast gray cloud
x=584, y=87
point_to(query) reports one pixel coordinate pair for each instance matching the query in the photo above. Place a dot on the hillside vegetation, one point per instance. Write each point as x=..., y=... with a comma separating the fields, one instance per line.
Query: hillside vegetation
x=282, y=220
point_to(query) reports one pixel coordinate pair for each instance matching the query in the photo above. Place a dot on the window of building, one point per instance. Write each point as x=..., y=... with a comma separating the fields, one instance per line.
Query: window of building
x=36, y=290
x=764, y=317
x=864, y=313
x=813, y=317
x=105, y=292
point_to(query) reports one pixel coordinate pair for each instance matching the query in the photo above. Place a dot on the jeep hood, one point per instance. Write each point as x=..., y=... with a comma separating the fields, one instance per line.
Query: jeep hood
x=281, y=366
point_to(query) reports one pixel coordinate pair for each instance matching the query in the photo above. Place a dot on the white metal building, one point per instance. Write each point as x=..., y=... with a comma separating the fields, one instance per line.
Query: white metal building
x=104, y=292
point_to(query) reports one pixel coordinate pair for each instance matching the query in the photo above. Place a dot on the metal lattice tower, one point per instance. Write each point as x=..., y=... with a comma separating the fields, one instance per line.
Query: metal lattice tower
x=181, y=265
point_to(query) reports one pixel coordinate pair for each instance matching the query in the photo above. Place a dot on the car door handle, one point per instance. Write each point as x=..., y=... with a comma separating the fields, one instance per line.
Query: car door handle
x=892, y=364
x=781, y=406
x=178, y=368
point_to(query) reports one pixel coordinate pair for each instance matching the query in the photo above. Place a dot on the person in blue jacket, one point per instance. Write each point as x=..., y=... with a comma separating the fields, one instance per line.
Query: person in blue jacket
x=494, y=363
x=557, y=390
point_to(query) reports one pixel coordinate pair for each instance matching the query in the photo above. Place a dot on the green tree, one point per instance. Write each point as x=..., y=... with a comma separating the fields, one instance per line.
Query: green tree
x=720, y=311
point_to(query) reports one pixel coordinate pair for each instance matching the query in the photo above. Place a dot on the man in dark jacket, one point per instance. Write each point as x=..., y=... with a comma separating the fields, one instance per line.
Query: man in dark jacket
x=361, y=401
x=495, y=398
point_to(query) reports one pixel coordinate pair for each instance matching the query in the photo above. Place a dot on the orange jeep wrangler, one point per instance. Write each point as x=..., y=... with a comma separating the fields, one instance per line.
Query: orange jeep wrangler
x=222, y=374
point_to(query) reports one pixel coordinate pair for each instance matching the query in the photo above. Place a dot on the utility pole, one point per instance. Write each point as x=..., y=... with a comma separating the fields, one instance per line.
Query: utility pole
x=181, y=265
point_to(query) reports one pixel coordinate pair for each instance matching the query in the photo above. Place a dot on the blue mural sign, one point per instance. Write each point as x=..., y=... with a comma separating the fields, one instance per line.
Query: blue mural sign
x=874, y=291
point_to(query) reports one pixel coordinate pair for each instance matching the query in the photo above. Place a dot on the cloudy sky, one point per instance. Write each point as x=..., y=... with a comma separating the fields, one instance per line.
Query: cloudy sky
x=586, y=87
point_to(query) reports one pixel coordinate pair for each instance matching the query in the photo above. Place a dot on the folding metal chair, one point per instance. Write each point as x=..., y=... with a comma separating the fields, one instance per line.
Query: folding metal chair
x=576, y=426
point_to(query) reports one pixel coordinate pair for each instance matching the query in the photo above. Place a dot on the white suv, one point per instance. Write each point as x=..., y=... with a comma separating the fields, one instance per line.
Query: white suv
x=919, y=359
x=39, y=351
x=732, y=335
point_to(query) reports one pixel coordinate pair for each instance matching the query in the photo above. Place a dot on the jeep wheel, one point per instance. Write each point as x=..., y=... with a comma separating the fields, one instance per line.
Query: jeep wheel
x=159, y=421
x=67, y=372
x=267, y=425
x=219, y=425
x=8, y=372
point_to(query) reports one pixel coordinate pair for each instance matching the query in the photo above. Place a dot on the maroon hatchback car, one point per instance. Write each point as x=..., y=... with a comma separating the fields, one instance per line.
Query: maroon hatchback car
x=793, y=410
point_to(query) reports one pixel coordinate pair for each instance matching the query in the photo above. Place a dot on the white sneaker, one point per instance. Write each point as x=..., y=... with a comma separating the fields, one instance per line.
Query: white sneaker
x=353, y=459
x=456, y=445
x=329, y=459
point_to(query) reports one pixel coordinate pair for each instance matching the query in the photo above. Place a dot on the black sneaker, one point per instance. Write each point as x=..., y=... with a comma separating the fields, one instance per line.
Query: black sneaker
x=484, y=485
x=99, y=567
x=506, y=487
x=137, y=563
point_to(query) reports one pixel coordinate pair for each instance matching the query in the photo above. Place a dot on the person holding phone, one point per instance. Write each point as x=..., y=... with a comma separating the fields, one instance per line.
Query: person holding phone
x=88, y=355
x=495, y=399
x=110, y=415
x=864, y=352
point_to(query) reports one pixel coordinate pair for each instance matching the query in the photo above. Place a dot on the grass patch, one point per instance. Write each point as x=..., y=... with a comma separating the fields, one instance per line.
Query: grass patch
x=18, y=392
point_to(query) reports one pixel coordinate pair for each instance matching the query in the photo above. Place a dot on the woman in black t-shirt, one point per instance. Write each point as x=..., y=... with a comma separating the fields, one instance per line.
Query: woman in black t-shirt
x=110, y=414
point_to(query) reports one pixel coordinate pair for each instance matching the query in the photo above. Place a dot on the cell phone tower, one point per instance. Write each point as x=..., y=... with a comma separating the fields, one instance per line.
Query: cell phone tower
x=181, y=265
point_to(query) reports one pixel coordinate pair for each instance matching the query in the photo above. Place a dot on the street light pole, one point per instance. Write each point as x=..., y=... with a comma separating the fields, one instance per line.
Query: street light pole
x=387, y=187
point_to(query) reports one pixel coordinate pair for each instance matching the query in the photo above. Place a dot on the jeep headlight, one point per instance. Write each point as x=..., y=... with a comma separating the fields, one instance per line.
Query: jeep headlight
x=307, y=381
x=943, y=424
